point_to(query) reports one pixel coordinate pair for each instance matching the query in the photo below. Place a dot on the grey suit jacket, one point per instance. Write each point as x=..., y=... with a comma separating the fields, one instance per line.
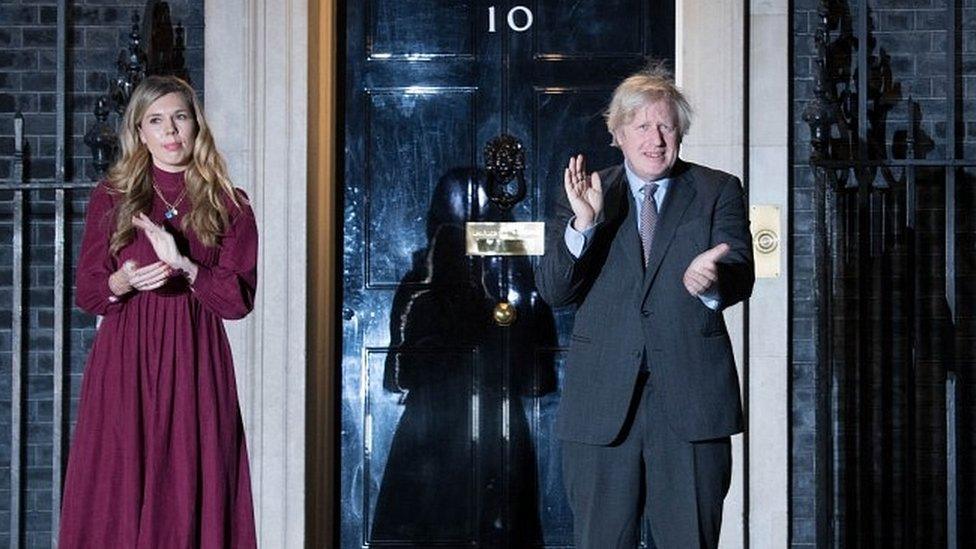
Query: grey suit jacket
x=626, y=312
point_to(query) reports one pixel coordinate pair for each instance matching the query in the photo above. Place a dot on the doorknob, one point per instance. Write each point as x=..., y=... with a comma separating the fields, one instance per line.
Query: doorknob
x=504, y=313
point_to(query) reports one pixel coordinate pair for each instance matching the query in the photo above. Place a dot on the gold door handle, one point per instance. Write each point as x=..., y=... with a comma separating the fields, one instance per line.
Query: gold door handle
x=504, y=314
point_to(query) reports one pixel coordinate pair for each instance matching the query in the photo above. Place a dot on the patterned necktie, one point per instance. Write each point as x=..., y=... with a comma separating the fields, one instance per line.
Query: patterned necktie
x=648, y=219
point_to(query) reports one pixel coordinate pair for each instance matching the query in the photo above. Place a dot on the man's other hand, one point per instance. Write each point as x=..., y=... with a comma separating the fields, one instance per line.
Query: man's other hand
x=702, y=274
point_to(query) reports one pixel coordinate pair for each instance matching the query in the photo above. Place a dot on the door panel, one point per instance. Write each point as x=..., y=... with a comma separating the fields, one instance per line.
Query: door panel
x=554, y=512
x=447, y=417
x=414, y=492
x=591, y=27
x=400, y=28
x=411, y=135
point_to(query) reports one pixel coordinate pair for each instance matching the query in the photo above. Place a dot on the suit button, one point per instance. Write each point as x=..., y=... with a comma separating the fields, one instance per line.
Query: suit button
x=646, y=314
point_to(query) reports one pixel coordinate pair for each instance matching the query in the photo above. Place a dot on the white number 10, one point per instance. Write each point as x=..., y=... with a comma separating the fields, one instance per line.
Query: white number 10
x=527, y=14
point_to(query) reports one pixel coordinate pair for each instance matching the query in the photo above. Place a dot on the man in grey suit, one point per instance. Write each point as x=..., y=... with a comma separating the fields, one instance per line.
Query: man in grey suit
x=650, y=252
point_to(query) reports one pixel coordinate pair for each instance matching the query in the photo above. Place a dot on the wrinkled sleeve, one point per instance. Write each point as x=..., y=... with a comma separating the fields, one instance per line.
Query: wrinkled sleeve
x=95, y=263
x=227, y=288
x=736, y=271
x=576, y=241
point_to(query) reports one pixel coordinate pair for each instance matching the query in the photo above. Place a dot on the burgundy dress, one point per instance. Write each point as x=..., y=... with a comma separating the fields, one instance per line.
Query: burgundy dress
x=158, y=458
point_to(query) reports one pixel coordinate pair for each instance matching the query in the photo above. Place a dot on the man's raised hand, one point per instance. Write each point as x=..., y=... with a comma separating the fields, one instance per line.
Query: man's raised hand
x=585, y=193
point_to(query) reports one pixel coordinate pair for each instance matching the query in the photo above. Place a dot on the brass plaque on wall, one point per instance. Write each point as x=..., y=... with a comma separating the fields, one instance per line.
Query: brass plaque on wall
x=506, y=238
x=766, y=245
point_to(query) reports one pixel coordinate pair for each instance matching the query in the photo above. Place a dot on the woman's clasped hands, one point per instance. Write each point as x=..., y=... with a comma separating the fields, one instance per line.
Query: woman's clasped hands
x=149, y=277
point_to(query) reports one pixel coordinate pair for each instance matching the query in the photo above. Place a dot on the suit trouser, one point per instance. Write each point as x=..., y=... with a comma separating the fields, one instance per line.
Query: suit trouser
x=676, y=485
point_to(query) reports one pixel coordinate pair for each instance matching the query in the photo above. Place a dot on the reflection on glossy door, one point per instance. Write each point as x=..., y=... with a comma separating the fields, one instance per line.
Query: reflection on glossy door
x=446, y=416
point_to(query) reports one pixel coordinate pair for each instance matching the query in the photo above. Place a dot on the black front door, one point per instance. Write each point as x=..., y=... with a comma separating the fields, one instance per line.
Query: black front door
x=446, y=411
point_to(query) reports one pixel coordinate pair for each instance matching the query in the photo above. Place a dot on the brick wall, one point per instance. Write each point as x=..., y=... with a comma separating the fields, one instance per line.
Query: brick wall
x=97, y=30
x=913, y=34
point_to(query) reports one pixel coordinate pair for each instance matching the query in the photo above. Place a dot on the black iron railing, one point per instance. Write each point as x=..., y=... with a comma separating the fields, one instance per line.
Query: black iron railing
x=875, y=267
x=165, y=57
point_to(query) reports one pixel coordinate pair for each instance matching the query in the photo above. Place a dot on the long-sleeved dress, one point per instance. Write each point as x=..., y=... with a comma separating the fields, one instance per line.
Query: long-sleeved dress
x=158, y=458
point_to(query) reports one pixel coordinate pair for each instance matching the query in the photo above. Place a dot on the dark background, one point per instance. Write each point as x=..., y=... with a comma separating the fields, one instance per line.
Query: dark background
x=913, y=34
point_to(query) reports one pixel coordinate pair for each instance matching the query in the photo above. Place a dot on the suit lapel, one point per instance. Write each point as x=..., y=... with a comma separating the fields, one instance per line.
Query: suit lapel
x=680, y=195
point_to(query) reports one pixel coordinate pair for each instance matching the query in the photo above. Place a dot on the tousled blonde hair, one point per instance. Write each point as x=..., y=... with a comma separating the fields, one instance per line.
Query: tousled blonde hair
x=208, y=187
x=652, y=83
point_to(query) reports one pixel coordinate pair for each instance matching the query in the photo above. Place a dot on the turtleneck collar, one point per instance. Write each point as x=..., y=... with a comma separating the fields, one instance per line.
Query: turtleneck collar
x=167, y=180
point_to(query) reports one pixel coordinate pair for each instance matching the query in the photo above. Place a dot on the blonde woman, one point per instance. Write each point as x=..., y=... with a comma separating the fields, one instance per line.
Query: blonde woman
x=170, y=250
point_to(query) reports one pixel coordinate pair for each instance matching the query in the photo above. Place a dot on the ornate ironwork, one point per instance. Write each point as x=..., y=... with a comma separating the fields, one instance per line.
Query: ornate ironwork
x=165, y=55
x=505, y=164
x=821, y=112
x=868, y=251
x=131, y=68
x=101, y=138
x=167, y=44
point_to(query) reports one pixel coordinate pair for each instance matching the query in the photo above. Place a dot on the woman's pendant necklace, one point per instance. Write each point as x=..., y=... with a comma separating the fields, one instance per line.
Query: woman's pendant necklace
x=171, y=210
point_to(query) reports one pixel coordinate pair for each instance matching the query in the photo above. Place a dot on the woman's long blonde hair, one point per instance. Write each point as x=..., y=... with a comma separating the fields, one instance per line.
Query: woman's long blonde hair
x=207, y=185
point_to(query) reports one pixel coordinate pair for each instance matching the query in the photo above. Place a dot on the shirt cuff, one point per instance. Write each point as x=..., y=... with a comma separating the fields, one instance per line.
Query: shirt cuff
x=710, y=299
x=576, y=241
